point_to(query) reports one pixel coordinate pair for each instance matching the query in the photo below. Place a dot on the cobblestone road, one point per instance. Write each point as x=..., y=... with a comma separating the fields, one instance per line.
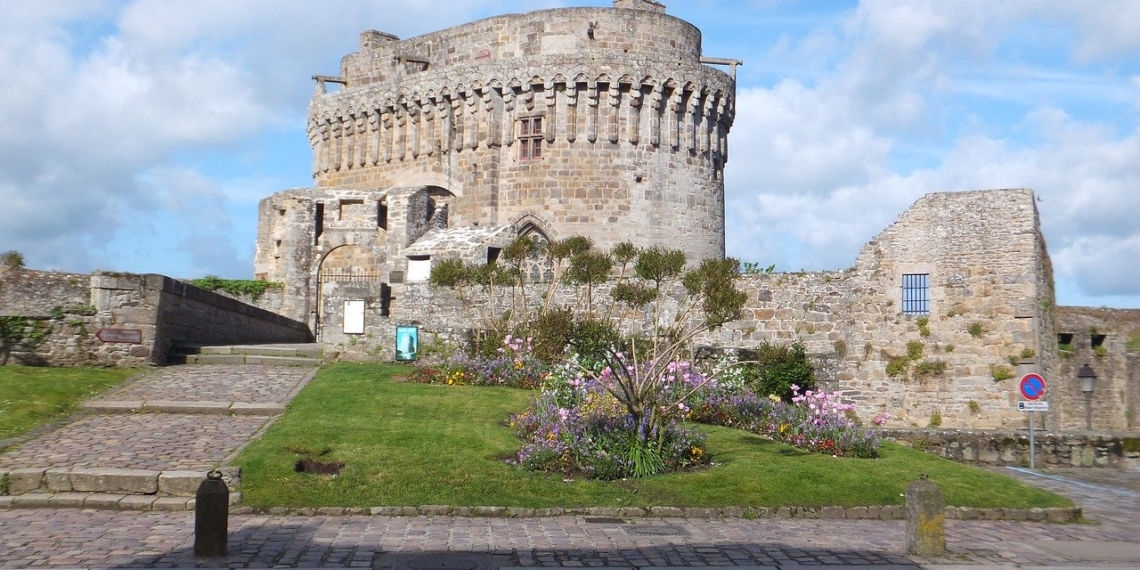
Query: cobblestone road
x=103, y=539
x=72, y=538
x=213, y=383
x=137, y=441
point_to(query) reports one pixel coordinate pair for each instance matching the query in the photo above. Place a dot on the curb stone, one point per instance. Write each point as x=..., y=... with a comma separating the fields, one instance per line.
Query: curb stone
x=174, y=503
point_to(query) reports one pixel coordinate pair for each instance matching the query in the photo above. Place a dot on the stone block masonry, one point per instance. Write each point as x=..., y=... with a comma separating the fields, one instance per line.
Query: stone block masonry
x=602, y=122
x=937, y=363
x=115, y=319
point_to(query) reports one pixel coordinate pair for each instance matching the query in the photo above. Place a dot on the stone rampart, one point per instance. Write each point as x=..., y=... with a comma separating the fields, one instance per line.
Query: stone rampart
x=127, y=319
x=955, y=363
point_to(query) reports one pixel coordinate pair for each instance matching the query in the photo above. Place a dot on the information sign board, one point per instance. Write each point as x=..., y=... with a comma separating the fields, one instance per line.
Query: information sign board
x=1033, y=406
x=130, y=336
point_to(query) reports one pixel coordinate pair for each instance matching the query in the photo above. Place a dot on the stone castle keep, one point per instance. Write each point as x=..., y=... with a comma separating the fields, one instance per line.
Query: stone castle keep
x=609, y=123
x=579, y=121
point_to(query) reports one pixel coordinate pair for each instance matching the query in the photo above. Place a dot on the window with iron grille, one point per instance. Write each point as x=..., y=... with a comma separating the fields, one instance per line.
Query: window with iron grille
x=530, y=138
x=916, y=294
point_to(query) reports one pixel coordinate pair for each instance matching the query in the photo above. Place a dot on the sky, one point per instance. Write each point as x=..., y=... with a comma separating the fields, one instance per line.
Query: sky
x=139, y=135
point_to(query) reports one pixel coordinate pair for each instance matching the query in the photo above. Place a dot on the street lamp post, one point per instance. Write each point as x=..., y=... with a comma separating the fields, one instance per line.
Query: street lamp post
x=1087, y=378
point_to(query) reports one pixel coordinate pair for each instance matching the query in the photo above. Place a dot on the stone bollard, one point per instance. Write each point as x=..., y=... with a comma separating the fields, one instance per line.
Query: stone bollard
x=925, y=519
x=211, y=517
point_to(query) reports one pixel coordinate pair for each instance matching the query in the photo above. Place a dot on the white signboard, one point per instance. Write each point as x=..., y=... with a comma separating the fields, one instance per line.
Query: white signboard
x=1033, y=406
x=419, y=270
x=354, y=317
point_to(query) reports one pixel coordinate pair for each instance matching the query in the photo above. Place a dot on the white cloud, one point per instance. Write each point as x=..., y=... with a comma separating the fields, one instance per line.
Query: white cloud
x=136, y=131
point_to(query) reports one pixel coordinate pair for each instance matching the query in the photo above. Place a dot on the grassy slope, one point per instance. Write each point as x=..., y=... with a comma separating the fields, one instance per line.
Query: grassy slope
x=411, y=444
x=33, y=396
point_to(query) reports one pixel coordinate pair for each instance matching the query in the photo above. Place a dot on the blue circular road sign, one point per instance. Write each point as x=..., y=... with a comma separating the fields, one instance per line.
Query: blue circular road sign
x=1032, y=386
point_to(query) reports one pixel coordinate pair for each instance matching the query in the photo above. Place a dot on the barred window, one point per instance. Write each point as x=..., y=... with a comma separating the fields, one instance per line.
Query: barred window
x=916, y=294
x=530, y=138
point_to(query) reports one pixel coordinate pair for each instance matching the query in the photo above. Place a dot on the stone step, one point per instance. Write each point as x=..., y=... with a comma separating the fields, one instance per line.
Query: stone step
x=56, y=480
x=101, y=501
x=251, y=359
x=182, y=407
x=271, y=354
x=302, y=350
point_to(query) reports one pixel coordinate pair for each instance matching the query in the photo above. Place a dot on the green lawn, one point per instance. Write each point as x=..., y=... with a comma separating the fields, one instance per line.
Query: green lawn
x=414, y=444
x=33, y=396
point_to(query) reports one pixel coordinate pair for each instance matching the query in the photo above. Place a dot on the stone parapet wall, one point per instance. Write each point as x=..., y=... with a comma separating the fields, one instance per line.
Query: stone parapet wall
x=31, y=293
x=131, y=320
x=1053, y=449
x=186, y=314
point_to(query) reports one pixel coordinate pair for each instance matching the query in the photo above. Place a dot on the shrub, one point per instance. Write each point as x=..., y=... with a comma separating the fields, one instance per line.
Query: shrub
x=976, y=329
x=778, y=368
x=12, y=259
x=1134, y=342
x=923, y=326
x=1001, y=372
x=929, y=368
x=898, y=366
x=1027, y=353
x=936, y=419
x=914, y=350
x=577, y=428
x=813, y=421
x=238, y=287
x=974, y=407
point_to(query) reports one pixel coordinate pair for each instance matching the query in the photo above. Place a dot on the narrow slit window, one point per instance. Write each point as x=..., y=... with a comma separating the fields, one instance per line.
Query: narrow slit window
x=530, y=138
x=318, y=223
x=916, y=294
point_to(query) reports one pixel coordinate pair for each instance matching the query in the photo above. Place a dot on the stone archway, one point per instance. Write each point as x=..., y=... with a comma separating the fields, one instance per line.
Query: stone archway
x=346, y=264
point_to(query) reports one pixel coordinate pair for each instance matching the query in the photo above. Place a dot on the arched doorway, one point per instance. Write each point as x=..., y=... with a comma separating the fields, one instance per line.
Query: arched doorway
x=348, y=271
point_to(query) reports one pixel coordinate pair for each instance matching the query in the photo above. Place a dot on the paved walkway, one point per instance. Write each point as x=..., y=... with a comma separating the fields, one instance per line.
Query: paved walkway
x=70, y=538
x=165, y=441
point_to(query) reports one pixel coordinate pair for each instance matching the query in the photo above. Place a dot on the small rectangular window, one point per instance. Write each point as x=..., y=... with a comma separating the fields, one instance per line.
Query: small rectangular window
x=916, y=294
x=530, y=138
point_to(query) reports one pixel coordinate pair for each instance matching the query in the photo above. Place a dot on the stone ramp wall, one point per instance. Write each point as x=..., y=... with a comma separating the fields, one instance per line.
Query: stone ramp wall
x=118, y=319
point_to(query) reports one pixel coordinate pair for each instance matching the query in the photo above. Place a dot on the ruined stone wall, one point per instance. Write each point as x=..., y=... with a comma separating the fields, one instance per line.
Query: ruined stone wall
x=633, y=137
x=61, y=321
x=983, y=253
x=30, y=293
x=1099, y=338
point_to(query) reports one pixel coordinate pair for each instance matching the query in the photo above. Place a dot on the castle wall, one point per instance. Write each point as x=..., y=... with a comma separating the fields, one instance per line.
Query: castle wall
x=1099, y=338
x=633, y=138
x=126, y=319
x=25, y=292
x=984, y=317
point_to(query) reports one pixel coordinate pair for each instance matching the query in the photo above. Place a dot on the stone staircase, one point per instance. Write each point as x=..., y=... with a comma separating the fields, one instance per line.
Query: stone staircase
x=272, y=354
x=147, y=444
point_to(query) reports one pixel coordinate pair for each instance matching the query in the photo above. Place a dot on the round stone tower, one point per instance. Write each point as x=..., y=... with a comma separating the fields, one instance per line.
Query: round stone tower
x=576, y=121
